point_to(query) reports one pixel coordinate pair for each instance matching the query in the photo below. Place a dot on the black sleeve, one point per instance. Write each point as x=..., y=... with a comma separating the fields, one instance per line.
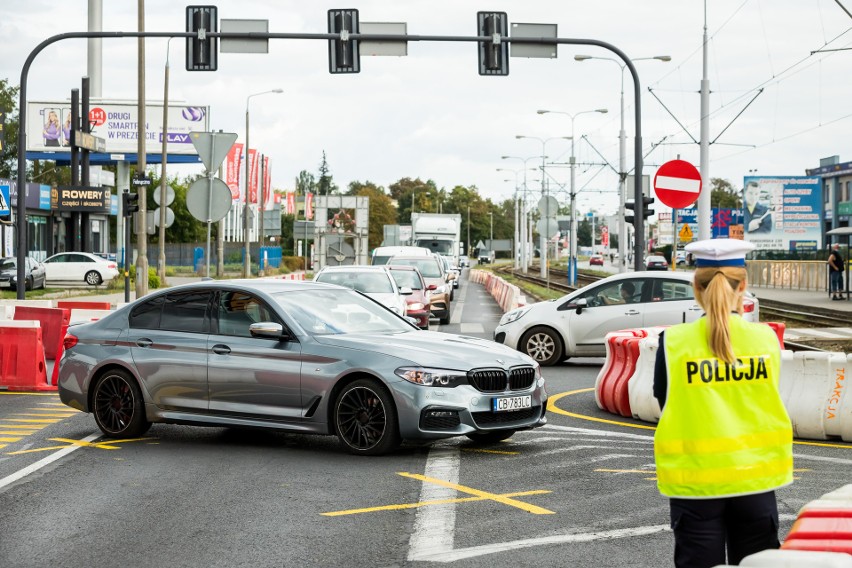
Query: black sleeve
x=661, y=376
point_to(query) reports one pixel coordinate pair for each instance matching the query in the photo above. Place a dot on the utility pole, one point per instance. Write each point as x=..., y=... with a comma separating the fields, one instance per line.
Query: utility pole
x=704, y=212
x=142, y=215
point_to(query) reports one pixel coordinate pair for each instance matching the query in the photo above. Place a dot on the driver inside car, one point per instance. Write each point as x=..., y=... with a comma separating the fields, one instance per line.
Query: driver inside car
x=626, y=291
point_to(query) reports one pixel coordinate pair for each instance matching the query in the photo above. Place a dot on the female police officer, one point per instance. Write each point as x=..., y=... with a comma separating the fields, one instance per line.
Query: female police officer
x=724, y=441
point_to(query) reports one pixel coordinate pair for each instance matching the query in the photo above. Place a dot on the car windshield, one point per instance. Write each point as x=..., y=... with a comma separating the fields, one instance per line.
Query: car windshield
x=379, y=260
x=7, y=264
x=428, y=266
x=338, y=312
x=437, y=247
x=407, y=278
x=366, y=282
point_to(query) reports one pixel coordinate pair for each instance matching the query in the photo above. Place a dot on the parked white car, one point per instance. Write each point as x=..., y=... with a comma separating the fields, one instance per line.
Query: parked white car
x=373, y=281
x=576, y=325
x=79, y=267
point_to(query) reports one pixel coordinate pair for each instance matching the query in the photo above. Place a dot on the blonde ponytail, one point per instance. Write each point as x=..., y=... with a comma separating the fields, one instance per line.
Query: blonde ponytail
x=718, y=290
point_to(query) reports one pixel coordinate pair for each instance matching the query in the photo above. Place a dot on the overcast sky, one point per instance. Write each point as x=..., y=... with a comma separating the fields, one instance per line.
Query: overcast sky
x=430, y=114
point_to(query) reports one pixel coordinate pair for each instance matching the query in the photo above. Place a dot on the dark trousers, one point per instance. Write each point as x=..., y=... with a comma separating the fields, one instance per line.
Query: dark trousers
x=704, y=528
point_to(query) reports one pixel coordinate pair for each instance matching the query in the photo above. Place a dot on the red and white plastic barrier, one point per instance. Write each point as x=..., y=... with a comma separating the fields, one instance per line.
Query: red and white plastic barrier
x=814, y=387
x=22, y=364
x=508, y=296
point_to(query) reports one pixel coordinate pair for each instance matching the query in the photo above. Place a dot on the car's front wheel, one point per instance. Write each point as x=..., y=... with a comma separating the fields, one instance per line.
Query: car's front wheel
x=118, y=406
x=542, y=344
x=93, y=278
x=365, y=418
x=491, y=437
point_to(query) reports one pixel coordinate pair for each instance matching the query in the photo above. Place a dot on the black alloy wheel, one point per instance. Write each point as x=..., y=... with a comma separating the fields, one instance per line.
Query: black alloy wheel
x=118, y=406
x=365, y=418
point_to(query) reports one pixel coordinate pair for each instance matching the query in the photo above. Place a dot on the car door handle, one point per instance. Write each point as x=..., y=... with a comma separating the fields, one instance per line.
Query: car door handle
x=696, y=309
x=632, y=313
x=220, y=349
x=144, y=342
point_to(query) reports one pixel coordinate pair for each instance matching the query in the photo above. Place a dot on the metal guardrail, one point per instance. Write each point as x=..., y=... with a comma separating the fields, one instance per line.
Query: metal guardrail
x=789, y=274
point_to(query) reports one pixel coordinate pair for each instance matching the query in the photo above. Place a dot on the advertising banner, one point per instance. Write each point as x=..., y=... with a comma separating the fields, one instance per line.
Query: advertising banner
x=783, y=213
x=49, y=126
x=233, y=169
x=291, y=203
x=252, y=181
x=309, y=206
x=78, y=198
x=267, y=197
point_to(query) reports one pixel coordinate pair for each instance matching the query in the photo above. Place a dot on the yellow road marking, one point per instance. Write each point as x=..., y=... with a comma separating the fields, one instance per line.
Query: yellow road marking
x=10, y=439
x=43, y=415
x=484, y=494
x=32, y=421
x=32, y=427
x=484, y=451
x=551, y=406
x=428, y=503
x=28, y=393
x=17, y=432
x=104, y=445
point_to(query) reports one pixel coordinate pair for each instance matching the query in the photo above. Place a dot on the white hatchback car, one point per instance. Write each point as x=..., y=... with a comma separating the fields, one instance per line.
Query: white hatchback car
x=79, y=267
x=576, y=325
x=373, y=281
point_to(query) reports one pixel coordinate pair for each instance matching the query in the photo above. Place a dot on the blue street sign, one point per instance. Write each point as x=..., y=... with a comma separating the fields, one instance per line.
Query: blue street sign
x=5, y=201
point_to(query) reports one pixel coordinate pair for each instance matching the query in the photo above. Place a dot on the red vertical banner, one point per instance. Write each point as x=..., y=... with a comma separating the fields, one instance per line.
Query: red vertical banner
x=232, y=169
x=291, y=203
x=252, y=181
x=268, y=200
x=309, y=206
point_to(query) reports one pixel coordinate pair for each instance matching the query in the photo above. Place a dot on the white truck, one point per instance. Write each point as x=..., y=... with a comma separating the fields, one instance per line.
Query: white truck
x=439, y=232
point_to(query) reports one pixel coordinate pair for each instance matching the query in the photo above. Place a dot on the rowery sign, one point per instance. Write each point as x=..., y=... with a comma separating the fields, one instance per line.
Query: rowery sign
x=77, y=198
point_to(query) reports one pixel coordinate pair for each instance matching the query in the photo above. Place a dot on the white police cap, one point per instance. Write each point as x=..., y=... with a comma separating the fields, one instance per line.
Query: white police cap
x=719, y=252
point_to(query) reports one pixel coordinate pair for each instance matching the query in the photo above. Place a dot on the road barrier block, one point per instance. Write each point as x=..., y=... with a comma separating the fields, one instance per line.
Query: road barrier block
x=609, y=362
x=790, y=558
x=86, y=316
x=823, y=528
x=11, y=304
x=22, y=365
x=640, y=389
x=827, y=508
x=811, y=387
x=778, y=328
x=72, y=305
x=54, y=324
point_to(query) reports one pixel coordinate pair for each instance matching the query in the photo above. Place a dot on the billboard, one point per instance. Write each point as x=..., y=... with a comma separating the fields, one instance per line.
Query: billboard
x=49, y=126
x=783, y=213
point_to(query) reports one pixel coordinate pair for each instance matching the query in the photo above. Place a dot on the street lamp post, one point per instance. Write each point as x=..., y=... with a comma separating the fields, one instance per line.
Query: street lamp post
x=622, y=158
x=572, y=249
x=247, y=252
x=526, y=229
x=519, y=218
x=543, y=237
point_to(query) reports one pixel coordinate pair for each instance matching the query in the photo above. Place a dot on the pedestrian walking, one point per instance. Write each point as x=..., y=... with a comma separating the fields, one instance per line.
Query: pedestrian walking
x=724, y=442
x=835, y=272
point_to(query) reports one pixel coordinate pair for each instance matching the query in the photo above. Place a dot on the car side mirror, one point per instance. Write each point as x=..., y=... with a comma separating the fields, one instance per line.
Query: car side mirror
x=268, y=330
x=580, y=304
x=432, y=287
x=406, y=291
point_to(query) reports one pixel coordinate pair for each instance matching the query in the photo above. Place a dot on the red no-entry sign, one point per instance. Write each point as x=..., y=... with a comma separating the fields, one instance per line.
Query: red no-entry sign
x=677, y=184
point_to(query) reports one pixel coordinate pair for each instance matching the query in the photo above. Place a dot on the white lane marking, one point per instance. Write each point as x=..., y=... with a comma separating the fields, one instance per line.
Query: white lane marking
x=602, y=433
x=434, y=527
x=456, y=313
x=20, y=474
x=822, y=458
x=473, y=551
x=471, y=328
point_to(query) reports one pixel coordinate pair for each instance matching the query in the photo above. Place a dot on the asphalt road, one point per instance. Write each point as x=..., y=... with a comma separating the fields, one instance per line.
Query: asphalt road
x=579, y=492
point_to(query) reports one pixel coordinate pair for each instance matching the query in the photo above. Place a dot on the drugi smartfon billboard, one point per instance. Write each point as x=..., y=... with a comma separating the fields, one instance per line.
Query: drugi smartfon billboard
x=783, y=213
x=49, y=126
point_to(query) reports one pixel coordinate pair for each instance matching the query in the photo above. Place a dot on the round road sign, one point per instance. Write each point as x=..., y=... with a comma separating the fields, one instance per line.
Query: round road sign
x=202, y=198
x=677, y=184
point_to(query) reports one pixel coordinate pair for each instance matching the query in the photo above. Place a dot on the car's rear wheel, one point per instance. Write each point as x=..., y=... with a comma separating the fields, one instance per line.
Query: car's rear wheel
x=93, y=278
x=29, y=283
x=446, y=319
x=365, y=418
x=491, y=437
x=542, y=344
x=118, y=406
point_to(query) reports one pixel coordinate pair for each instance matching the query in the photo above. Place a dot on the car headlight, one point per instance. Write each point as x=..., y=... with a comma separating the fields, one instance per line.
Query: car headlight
x=514, y=315
x=415, y=306
x=432, y=377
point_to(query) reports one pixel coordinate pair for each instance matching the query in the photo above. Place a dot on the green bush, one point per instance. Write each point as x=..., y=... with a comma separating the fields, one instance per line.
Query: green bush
x=118, y=281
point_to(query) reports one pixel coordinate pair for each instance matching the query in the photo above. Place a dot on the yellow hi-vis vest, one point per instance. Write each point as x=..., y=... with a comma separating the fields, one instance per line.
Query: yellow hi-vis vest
x=724, y=430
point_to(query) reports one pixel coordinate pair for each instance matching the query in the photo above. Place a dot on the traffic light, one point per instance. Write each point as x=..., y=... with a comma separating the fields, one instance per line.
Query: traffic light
x=202, y=52
x=129, y=203
x=343, y=54
x=646, y=209
x=493, y=54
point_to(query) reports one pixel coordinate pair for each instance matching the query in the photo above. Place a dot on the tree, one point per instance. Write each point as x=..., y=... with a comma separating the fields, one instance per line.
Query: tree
x=9, y=154
x=325, y=185
x=724, y=195
x=382, y=210
x=305, y=183
x=412, y=195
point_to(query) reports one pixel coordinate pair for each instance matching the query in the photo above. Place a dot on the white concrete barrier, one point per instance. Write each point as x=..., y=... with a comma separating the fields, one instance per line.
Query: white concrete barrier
x=640, y=388
x=797, y=559
x=808, y=382
x=7, y=312
x=10, y=304
x=86, y=316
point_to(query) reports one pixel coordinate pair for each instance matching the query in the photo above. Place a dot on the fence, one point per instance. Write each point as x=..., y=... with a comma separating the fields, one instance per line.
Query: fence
x=789, y=274
x=183, y=254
